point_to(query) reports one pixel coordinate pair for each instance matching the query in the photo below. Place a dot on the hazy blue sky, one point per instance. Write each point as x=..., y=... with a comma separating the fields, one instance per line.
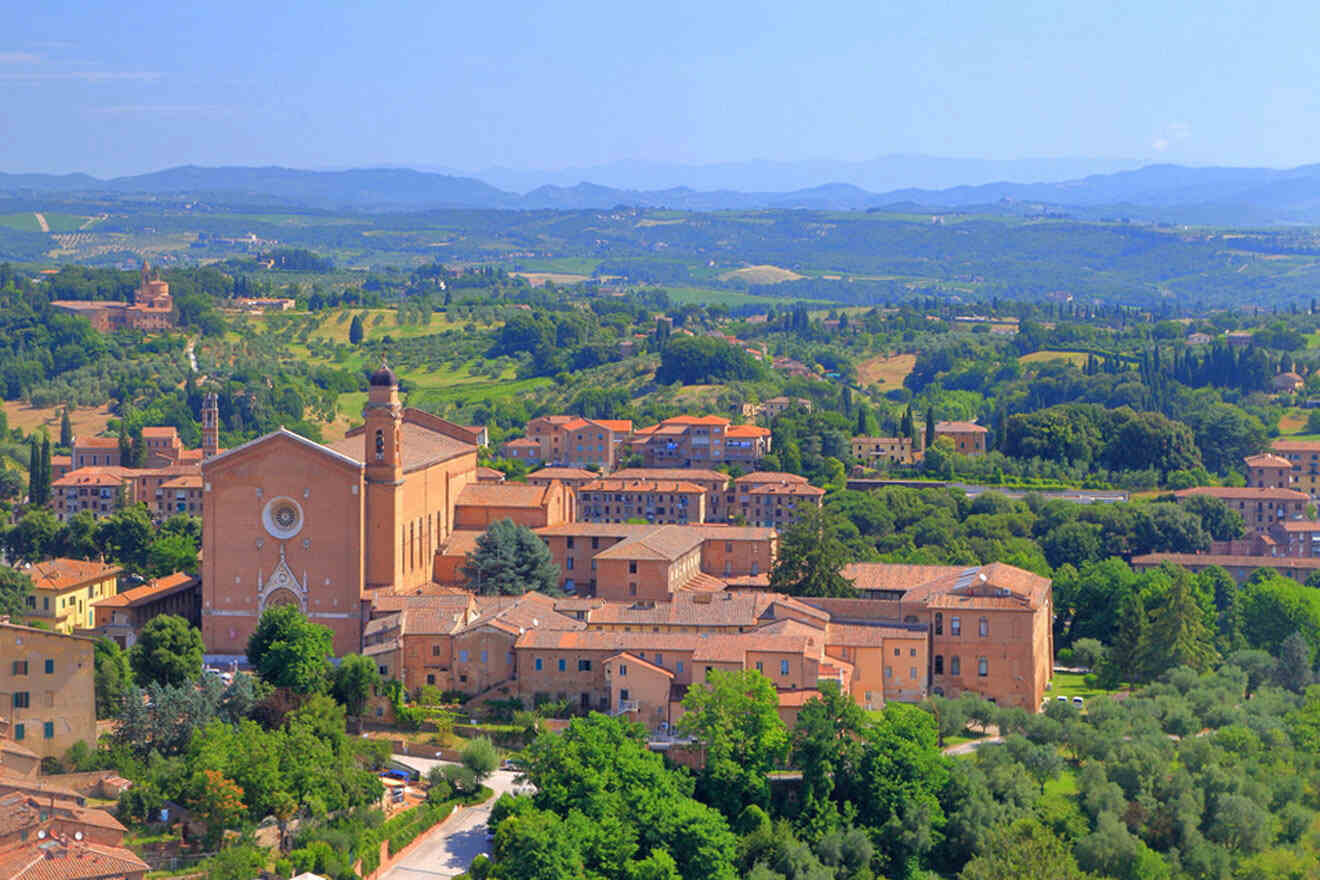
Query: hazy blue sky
x=125, y=87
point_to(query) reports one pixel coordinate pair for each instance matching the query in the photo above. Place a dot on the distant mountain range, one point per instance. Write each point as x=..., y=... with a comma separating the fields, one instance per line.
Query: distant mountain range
x=1172, y=193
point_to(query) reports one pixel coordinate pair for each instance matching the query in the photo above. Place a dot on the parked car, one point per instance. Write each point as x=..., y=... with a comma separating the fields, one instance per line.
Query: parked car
x=1077, y=701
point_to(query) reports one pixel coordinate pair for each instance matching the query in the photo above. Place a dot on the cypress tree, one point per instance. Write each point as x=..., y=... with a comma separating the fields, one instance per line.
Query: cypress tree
x=930, y=427
x=66, y=430
x=45, y=469
x=34, y=471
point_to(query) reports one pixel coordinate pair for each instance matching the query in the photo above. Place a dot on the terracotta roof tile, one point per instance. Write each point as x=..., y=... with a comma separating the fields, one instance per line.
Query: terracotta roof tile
x=614, y=484
x=1229, y=560
x=671, y=474
x=562, y=473
x=746, y=431
x=65, y=574
x=634, y=660
x=98, y=475
x=501, y=495
x=1265, y=459
x=960, y=428
x=150, y=592
x=1244, y=493
x=421, y=446
x=756, y=477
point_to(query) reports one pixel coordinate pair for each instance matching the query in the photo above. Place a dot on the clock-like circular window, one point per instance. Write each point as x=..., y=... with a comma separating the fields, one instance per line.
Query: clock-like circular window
x=283, y=518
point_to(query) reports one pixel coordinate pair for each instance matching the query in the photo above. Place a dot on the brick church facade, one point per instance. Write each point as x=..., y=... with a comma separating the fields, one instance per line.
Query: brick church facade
x=325, y=527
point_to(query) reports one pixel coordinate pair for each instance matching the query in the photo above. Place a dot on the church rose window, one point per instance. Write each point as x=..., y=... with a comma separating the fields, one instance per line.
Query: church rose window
x=282, y=518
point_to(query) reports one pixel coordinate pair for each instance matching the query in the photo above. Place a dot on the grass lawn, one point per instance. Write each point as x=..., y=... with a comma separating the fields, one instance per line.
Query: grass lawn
x=1065, y=785
x=1071, y=684
x=1076, y=358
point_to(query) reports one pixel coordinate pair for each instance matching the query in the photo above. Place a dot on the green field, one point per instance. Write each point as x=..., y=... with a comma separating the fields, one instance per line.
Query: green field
x=25, y=222
x=560, y=265
x=1073, y=684
x=731, y=298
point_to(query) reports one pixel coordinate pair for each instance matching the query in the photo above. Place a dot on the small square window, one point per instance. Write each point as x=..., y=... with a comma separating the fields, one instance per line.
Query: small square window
x=50, y=667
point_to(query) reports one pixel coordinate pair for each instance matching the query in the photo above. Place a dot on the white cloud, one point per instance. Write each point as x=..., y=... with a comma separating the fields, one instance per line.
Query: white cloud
x=1159, y=145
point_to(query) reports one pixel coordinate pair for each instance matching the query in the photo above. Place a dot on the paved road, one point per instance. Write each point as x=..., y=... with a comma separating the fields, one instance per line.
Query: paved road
x=448, y=850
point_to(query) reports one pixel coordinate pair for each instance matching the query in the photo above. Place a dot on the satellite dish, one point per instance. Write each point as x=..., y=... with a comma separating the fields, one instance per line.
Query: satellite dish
x=41, y=835
x=77, y=835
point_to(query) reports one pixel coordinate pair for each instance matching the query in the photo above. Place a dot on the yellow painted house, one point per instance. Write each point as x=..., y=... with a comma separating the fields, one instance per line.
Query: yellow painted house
x=64, y=590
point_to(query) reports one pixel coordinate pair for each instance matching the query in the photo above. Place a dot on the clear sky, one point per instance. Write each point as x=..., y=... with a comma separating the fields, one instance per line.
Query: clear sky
x=126, y=87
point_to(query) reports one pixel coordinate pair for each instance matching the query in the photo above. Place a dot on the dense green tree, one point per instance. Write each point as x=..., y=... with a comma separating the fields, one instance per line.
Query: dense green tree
x=125, y=536
x=170, y=553
x=289, y=651
x=353, y=681
x=76, y=537
x=510, y=560
x=34, y=537
x=1177, y=635
x=1274, y=607
x=481, y=757
x=1024, y=849
x=15, y=590
x=168, y=651
x=356, y=331
x=112, y=676
x=1219, y=521
x=735, y=717
x=810, y=558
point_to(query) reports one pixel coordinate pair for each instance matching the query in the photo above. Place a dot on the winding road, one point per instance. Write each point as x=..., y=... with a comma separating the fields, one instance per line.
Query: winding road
x=449, y=849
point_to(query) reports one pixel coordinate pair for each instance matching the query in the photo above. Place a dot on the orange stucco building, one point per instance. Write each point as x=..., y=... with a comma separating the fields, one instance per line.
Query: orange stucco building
x=325, y=527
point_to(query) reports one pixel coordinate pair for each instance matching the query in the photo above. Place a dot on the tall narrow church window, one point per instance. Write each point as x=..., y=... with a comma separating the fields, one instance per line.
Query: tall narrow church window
x=380, y=446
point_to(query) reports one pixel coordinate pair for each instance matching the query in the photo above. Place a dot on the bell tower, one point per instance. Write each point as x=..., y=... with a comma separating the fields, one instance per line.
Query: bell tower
x=210, y=426
x=383, y=454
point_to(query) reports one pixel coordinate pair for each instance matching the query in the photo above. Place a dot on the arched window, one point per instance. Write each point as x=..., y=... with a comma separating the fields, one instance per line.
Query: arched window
x=380, y=446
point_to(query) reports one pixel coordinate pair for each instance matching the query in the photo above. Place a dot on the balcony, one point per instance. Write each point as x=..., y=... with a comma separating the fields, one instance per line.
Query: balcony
x=624, y=707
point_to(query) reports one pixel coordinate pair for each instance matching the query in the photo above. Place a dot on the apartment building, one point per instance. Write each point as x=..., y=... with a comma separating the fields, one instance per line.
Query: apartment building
x=715, y=483
x=571, y=441
x=480, y=504
x=990, y=625
x=881, y=451
x=628, y=561
x=46, y=684
x=65, y=590
x=968, y=438
x=612, y=499
x=1303, y=457
x=99, y=489
x=1268, y=471
x=1259, y=507
x=701, y=442
x=770, y=499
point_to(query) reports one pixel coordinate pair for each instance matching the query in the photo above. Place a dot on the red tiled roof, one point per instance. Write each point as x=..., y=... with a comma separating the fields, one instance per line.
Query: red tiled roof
x=156, y=589
x=1264, y=459
x=96, y=442
x=670, y=474
x=1228, y=560
x=618, y=426
x=1286, y=445
x=697, y=420
x=1245, y=493
x=98, y=475
x=562, y=473
x=523, y=443
x=421, y=446
x=895, y=576
x=65, y=574
x=614, y=484
x=163, y=433
x=786, y=489
x=638, y=661
x=501, y=495
x=746, y=431
x=960, y=428
x=769, y=477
